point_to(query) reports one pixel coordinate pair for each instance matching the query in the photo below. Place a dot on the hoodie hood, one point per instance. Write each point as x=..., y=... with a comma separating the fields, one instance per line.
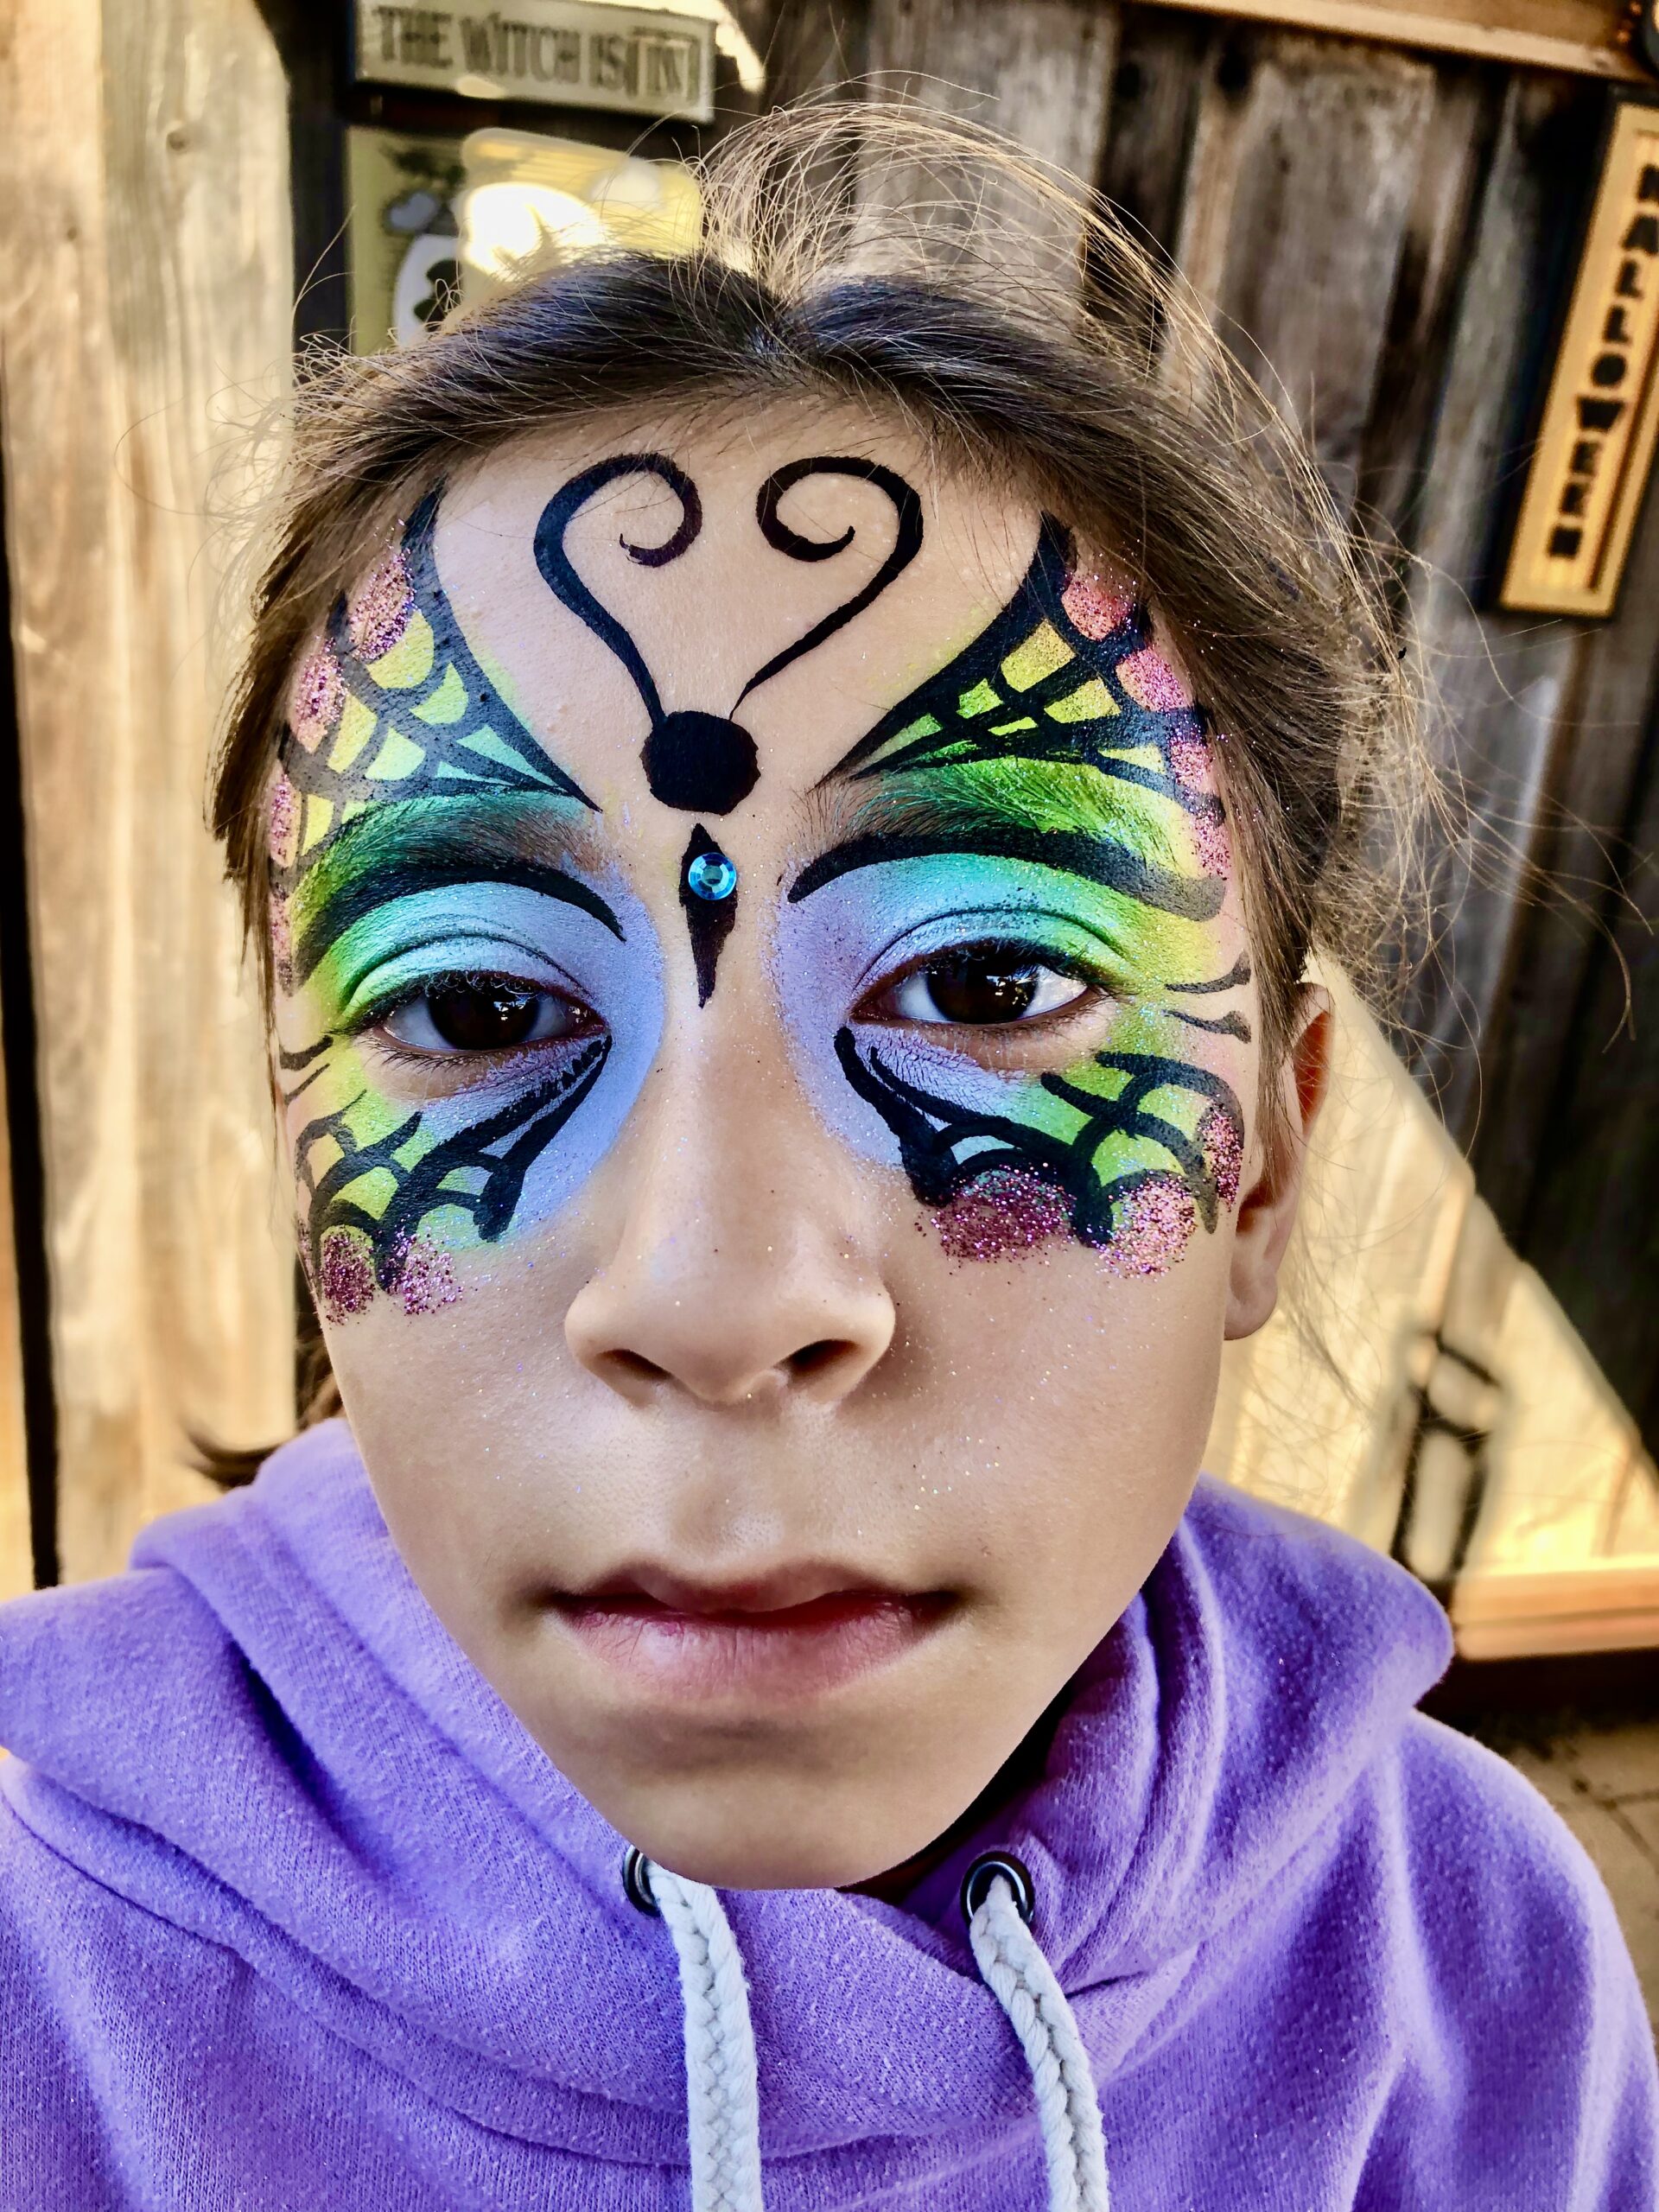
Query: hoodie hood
x=263, y=1737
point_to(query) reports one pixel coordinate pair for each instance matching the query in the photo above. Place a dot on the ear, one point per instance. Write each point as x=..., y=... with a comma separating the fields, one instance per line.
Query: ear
x=1266, y=1212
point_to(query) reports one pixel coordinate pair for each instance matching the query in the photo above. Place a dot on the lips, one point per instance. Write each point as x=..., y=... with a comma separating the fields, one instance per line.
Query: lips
x=775, y=1638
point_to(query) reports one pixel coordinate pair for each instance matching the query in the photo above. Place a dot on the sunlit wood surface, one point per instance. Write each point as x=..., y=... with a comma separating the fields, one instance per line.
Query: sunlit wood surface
x=145, y=294
x=1411, y=1337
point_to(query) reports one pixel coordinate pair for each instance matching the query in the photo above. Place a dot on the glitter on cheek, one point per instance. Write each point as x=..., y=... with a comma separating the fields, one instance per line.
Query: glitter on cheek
x=1153, y=1227
x=282, y=821
x=1000, y=1214
x=426, y=1279
x=318, y=696
x=1151, y=683
x=282, y=946
x=1221, y=1141
x=379, y=614
x=1095, y=606
x=347, y=1272
x=1189, y=762
x=1211, y=845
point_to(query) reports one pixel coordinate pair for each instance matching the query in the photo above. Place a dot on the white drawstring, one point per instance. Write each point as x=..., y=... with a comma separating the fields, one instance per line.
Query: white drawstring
x=722, y=2095
x=1068, y=2109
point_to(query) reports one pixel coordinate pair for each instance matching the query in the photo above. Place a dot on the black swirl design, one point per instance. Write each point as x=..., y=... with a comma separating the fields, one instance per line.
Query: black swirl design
x=697, y=762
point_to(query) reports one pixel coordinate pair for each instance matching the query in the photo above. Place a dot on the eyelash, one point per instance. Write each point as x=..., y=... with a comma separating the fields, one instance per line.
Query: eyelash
x=1011, y=955
x=1008, y=954
x=378, y=1012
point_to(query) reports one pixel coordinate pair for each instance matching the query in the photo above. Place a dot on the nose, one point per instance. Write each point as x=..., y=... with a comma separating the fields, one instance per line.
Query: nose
x=740, y=1268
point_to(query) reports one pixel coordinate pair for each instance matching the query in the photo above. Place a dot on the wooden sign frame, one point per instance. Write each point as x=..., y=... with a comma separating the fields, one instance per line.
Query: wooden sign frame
x=1589, y=37
x=580, y=53
x=1594, y=449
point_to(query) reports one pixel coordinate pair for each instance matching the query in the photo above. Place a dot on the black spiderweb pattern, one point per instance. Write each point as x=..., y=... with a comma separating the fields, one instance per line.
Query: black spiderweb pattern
x=945, y=1147
x=479, y=1171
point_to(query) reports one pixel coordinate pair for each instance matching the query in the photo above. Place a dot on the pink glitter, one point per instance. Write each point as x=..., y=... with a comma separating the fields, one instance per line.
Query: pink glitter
x=1095, y=606
x=347, y=1274
x=426, y=1280
x=1219, y=1141
x=379, y=614
x=1214, y=849
x=1001, y=1213
x=283, y=821
x=1189, y=762
x=281, y=945
x=319, y=694
x=1151, y=683
x=1154, y=1226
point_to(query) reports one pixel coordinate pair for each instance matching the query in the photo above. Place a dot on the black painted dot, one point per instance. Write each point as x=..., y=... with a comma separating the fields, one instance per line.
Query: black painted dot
x=702, y=764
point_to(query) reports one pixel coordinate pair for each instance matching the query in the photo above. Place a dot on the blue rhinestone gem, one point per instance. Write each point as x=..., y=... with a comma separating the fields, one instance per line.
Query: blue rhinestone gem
x=711, y=875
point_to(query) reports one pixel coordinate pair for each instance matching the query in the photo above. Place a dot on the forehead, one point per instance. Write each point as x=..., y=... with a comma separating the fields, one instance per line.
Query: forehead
x=706, y=621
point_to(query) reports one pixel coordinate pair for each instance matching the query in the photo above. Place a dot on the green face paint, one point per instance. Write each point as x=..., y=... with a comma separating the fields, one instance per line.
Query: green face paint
x=421, y=840
x=1049, y=798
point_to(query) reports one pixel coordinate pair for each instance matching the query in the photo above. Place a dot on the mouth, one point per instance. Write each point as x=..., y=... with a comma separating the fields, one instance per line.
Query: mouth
x=773, y=1640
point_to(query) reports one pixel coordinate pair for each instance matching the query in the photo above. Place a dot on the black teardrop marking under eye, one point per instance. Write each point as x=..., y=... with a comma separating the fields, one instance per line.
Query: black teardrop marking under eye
x=708, y=895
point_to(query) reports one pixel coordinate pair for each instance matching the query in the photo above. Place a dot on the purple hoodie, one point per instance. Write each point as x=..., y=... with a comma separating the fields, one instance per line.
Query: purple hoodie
x=293, y=1915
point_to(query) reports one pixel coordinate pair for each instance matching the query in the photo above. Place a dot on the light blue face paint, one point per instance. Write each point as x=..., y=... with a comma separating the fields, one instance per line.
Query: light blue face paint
x=1046, y=802
x=391, y=1190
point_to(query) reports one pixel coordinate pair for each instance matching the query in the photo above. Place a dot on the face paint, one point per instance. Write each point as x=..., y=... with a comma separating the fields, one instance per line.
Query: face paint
x=694, y=760
x=709, y=896
x=424, y=844
x=1048, y=797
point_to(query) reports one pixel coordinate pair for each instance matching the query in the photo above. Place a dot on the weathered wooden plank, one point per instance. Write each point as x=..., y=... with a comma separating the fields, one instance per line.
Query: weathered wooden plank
x=1497, y=684
x=17, y=1565
x=151, y=145
x=1305, y=162
x=1162, y=63
x=814, y=46
x=1434, y=248
x=1542, y=1033
x=1592, y=1229
x=1040, y=73
x=1582, y=35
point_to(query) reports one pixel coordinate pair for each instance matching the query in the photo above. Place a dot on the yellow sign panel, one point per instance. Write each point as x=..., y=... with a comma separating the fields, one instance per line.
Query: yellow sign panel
x=1590, y=468
x=436, y=223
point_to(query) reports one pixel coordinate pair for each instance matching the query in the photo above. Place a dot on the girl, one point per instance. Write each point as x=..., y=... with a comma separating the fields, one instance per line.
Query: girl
x=793, y=1035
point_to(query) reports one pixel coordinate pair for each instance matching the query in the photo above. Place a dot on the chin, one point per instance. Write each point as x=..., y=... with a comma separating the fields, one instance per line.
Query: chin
x=735, y=1839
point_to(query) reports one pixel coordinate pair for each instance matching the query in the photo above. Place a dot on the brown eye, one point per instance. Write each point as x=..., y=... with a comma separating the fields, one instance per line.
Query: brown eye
x=481, y=1014
x=982, y=987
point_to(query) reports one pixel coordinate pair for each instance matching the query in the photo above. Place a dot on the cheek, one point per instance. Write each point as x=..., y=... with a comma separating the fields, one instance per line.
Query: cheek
x=1131, y=1149
x=1066, y=1413
x=414, y=1199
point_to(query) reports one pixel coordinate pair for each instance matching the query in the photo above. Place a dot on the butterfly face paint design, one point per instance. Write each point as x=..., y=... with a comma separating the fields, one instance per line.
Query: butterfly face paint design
x=422, y=844
x=1045, y=805
x=435, y=882
x=696, y=761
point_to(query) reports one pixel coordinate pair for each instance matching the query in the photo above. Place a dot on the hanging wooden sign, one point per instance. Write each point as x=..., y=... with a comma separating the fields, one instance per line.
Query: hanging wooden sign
x=1594, y=453
x=554, y=53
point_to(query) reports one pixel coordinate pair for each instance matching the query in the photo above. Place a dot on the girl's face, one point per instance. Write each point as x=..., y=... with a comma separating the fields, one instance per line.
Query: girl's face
x=767, y=1038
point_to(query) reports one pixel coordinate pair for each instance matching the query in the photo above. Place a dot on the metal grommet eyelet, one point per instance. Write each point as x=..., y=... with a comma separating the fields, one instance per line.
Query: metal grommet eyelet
x=635, y=1881
x=976, y=1884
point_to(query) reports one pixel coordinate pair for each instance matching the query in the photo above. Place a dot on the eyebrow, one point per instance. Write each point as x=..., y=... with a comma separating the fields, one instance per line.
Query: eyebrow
x=402, y=848
x=938, y=823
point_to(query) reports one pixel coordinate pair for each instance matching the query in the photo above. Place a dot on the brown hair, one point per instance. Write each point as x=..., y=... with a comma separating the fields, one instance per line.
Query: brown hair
x=934, y=271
